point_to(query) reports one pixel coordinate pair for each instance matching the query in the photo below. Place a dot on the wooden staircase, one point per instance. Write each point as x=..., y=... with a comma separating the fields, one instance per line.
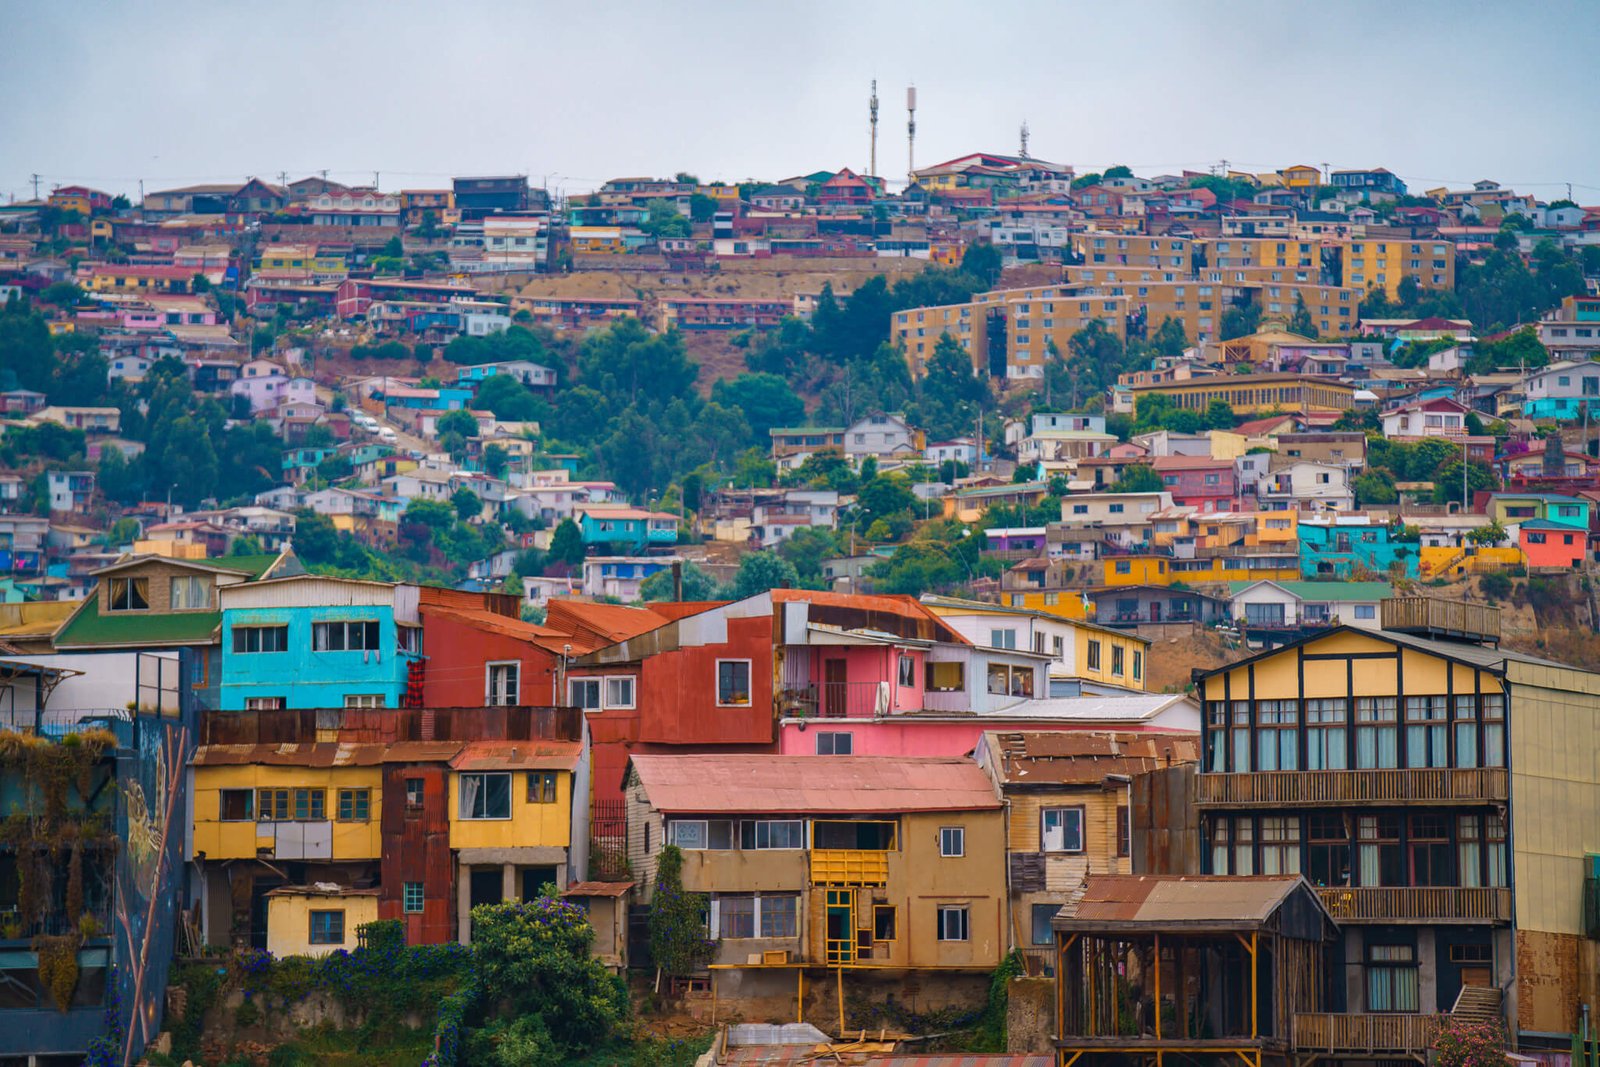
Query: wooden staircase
x=1477, y=1004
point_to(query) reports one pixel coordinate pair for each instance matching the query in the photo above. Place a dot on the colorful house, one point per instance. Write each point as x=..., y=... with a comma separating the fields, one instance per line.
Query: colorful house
x=1077, y=648
x=627, y=529
x=1553, y=544
x=310, y=641
x=1345, y=546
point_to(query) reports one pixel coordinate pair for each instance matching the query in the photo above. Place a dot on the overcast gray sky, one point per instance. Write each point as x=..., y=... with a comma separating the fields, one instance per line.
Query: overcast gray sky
x=1439, y=91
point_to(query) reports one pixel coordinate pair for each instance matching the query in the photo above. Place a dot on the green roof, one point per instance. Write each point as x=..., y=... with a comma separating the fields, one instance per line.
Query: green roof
x=254, y=566
x=1343, y=592
x=137, y=628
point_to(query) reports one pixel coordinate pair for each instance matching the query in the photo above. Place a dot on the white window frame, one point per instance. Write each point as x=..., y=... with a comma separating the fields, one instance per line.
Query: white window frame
x=962, y=910
x=633, y=687
x=265, y=703
x=704, y=834
x=574, y=683
x=749, y=668
x=497, y=699
x=363, y=700
x=952, y=841
x=1064, y=813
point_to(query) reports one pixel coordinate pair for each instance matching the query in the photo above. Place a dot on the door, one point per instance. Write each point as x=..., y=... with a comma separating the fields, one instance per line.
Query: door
x=1155, y=611
x=1482, y=976
x=535, y=879
x=841, y=932
x=834, y=673
x=487, y=885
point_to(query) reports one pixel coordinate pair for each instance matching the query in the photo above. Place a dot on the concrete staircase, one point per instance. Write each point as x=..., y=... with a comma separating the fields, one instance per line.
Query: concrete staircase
x=1477, y=1004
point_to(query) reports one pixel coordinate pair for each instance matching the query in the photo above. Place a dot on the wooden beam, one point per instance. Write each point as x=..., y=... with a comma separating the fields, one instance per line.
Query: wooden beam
x=1255, y=998
x=841, y=1002
x=799, y=995
x=1157, y=954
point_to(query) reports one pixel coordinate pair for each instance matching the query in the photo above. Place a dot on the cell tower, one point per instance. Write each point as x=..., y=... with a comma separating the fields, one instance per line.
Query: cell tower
x=872, y=108
x=1024, y=138
x=911, y=134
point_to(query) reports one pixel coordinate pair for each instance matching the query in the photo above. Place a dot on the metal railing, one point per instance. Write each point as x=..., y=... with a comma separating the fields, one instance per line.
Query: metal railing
x=840, y=700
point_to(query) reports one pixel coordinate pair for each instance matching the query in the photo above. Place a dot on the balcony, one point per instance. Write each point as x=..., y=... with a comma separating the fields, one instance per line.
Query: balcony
x=1434, y=904
x=1366, y=1036
x=849, y=866
x=1423, y=786
x=837, y=700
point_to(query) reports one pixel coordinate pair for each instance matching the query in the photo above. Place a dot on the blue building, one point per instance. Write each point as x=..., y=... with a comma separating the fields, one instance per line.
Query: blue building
x=625, y=530
x=1338, y=548
x=317, y=642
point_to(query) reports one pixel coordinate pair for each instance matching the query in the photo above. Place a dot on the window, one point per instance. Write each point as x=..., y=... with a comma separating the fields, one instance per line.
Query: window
x=1328, y=850
x=1425, y=731
x=1493, y=710
x=1464, y=713
x=701, y=833
x=834, y=743
x=1124, y=566
x=1117, y=657
x=1392, y=978
x=583, y=692
x=883, y=922
x=541, y=787
x=1094, y=655
x=308, y=804
x=619, y=691
x=354, y=805
x=1042, y=914
x=908, y=672
x=952, y=922
x=355, y=636
x=1277, y=735
x=780, y=915
x=1325, y=735
x=1431, y=859
x=502, y=683
x=272, y=805
x=236, y=805
x=733, y=683
x=1378, y=850
x=772, y=833
x=736, y=917
x=411, y=897
x=260, y=639
x=1481, y=850
x=1376, y=742
x=408, y=639
x=363, y=700
x=1003, y=638
x=190, y=593
x=1280, y=845
x=1124, y=831
x=414, y=793
x=327, y=927
x=485, y=796
x=1061, y=830
x=952, y=841
x=1138, y=665
x=1366, y=611
x=128, y=594
x=945, y=677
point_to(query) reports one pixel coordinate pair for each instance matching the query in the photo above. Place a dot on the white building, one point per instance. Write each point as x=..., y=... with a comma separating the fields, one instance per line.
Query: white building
x=1269, y=605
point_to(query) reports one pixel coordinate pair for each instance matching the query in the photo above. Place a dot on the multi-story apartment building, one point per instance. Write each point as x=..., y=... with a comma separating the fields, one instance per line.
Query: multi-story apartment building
x=1375, y=262
x=1572, y=331
x=1008, y=333
x=830, y=863
x=1257, y=394
x=1426, y=788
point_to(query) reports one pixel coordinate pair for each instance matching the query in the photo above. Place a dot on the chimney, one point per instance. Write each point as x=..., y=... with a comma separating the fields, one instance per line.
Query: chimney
x=677, y=579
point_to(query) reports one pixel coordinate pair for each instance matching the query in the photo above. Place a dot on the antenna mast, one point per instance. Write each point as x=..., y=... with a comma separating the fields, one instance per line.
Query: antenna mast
x=1024, y=138
x=872, y=109
x=911, y=134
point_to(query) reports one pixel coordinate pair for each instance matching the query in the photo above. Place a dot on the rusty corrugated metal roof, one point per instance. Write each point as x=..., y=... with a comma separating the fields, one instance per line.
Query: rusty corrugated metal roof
x=1190, y=899
x=518, y=756
x=421, y=751
x=1077, y=757
x=807, y=785
x=313, y=754
x=597, y=889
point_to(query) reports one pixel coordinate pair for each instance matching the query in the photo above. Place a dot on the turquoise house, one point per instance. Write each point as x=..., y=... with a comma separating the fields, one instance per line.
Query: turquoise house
x=312, y=641
x=627, y=530
x=1336, y=550
x=297, y=459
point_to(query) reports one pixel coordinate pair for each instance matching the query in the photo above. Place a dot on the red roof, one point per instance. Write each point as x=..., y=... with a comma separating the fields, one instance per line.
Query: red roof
x=806, y=785
x=518, y=756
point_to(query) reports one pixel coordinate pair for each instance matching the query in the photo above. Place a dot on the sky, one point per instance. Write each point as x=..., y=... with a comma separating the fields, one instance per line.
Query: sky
x=1442, y=92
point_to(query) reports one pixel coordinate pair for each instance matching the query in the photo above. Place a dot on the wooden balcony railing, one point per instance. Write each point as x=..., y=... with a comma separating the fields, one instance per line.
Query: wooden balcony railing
x=1434, y=785
x=1416, y=903
x=849, y=866
x=1376, y=1034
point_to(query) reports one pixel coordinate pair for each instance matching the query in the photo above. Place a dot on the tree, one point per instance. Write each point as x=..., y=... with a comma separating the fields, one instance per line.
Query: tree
x=1240, y=322
x=664, y=221
x=496, y=460
x=761, y=571
x=982, y=261
x=468, y=504
x=1471, y=1044
x=765, y=400
x=808, y=548
x=1138, y=479
x=951, y=395
x=508, y=400
x=118, y=479
x=1374, y=487
x=1119, y=171
x=459, y=421
x=434, y=514
x=1169, y=338
x=566, y=544
x=702, y=207
x=677, y=932
x=1157, y=411
x=752, y=470
x=550, y=1000
x=1447, y=482
x=393, y=248
x=697, y=584
x=1301, y=322
x=1220, y=416
x=885, y=495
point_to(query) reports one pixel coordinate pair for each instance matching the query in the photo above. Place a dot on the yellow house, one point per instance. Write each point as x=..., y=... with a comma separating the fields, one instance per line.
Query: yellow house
x=1442, y=796
x=1300, y=176
x=1454, y=561
x=1062, y=603
x=597, y=240
x=1078, y=648
x=1136, y=570
x=315, y=801
x=316, y=920
x=510, y=820
x=832, y=864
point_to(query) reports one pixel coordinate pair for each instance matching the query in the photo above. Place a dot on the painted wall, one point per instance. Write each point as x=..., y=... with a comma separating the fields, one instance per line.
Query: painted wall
x=865, y=668
x=531, y=824
x=289, y=922
x=1559, y=548
x=219, y=840
x=457, y=652
x=308, y=679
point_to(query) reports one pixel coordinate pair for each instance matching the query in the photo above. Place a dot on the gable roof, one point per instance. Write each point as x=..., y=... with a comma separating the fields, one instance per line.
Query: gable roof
x=1042, y=758
x=811, y=785
x=1338, y=592
x=1212, y=902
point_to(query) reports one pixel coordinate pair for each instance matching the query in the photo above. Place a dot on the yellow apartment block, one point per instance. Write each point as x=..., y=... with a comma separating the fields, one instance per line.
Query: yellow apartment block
x=1030, y=320
x=1257, y=394
x=287, y=810
x=1382, y=264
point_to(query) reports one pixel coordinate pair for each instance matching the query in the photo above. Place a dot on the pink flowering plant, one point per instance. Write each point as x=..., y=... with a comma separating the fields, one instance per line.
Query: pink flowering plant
x=1471, y=1044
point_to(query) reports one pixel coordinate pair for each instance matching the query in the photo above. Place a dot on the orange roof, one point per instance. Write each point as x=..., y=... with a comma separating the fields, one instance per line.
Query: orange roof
x=597, y=889
x=518, y=756
x=673, y=610
x=805, y=785
x=491, y=622
x=906, y=607
x=609, y=623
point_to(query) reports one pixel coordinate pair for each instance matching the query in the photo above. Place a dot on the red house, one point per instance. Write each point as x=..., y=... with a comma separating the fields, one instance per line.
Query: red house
x=1199, y=481
x=845, y=189
x=1552, y=544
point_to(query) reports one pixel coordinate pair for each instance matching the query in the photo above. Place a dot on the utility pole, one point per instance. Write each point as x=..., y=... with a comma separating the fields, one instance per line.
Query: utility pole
x=1024, y=139
x=283, y=178
x=872, y=110
x=1327, y=175
x=36, y=187
x=911, y=134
